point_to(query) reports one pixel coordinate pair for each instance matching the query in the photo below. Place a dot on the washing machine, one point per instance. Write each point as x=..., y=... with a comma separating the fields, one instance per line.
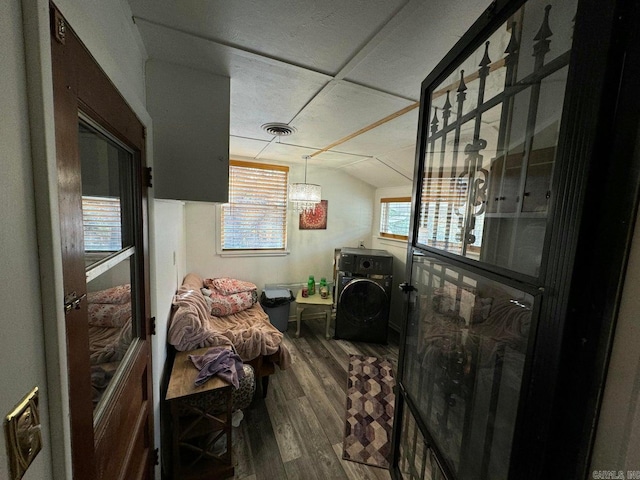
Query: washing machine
x=363, y=294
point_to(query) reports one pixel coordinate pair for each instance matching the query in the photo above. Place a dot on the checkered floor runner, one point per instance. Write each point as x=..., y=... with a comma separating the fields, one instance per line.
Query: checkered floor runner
x=370, y=404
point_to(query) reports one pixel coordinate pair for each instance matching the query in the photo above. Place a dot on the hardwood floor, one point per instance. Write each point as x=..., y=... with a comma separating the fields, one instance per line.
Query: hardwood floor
x=296, y=432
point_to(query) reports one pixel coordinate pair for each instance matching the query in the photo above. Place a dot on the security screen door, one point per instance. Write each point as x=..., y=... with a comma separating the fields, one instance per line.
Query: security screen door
x=488, y=149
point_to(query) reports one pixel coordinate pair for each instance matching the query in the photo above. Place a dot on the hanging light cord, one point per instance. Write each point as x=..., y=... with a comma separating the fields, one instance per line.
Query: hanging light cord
x=306, y=159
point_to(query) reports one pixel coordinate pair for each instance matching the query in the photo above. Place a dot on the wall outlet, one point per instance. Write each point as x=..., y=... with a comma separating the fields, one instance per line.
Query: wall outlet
x=361, y=244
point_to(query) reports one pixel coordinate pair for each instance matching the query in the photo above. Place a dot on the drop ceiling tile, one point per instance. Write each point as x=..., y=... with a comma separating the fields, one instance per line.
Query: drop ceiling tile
x=277, y=97
x=318, y=35
x=401, y=160
x=401, y=132
x=375, y=173
x=334, y=160
x=340, y=110
x=342, y=158
x=284, y=152
x=416, y=46
x=280, y=57
x=262, y=91
x=177, y=47
x=245, y=147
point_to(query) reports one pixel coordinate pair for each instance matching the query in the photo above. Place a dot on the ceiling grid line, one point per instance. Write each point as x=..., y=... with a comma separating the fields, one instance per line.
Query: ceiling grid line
x=395, y=19
x=346, y=75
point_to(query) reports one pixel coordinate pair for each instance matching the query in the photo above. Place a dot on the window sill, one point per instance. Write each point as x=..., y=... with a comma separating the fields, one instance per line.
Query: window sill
x=393, y=241
x=254, y=253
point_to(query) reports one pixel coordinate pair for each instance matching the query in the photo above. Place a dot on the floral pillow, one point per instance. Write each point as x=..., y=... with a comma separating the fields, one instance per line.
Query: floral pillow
x=222, y=305
x=109, y=314
x=115, y=295
x=228, y=286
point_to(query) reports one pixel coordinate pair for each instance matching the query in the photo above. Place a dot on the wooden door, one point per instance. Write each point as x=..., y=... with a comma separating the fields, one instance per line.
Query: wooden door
x=103, y=226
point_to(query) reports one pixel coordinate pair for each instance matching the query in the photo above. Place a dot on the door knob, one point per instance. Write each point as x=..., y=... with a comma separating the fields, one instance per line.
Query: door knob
x=406, y=287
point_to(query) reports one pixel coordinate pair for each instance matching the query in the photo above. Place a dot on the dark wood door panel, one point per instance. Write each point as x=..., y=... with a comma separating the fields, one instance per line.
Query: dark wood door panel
x=69, y=204
x=119, y=445
x=122, y=433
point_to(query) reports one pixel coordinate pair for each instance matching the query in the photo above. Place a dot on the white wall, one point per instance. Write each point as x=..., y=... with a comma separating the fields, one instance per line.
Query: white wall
x=169, y=259
x=22, y=344
x=397, y=248
x=350, y=214
x=618, y=432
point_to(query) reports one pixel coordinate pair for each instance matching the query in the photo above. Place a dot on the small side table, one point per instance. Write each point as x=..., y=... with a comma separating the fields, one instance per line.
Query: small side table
x=313, y=301
x=196, y=424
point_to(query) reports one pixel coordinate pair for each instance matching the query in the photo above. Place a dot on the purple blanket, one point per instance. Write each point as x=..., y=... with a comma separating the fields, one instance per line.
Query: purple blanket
x=219, y=361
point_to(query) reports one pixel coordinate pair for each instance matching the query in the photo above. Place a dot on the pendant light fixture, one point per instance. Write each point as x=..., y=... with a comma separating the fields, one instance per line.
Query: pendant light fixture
x=304, y=196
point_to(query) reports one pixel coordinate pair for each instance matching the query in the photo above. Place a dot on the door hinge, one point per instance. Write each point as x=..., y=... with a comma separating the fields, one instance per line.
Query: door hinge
x=155, y=457
x=58, y=27
x=152, y=325
x=148, y=177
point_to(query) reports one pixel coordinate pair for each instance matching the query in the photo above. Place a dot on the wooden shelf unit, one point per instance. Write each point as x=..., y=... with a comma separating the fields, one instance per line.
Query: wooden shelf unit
x=197, y=426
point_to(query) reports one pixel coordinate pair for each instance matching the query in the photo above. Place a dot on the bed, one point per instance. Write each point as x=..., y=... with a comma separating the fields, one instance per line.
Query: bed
x=248, y=331
x=109, y=317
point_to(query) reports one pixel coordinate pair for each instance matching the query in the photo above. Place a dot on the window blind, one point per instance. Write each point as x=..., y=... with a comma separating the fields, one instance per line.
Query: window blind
x=102, y=224
x=442, y=209
x=256, y=216
x=395, y=216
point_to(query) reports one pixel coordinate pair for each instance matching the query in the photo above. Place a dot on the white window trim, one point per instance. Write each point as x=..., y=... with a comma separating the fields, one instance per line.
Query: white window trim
x=242, y=253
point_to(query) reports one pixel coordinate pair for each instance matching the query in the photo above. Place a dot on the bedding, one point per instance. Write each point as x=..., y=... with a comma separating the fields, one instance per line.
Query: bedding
x=226, y=296
x=110, y=334
x=118, y=295
x=249, y=331
x=222, y=305
x=228, y=286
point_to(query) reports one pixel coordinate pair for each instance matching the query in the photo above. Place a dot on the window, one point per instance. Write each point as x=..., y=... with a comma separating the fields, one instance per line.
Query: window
x=256, y=216
x=444, y=204
x=102, y=224
x=395, y=215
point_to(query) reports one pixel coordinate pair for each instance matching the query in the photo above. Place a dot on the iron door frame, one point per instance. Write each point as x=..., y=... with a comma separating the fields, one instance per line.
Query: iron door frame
x=599, y=98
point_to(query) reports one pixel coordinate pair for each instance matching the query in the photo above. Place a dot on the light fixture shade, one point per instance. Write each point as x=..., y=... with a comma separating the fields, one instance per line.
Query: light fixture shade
x=304, y=196
x=304, y=192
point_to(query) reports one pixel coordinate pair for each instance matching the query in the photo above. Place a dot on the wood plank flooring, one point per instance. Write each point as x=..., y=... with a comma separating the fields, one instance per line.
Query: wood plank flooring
x=296, y=432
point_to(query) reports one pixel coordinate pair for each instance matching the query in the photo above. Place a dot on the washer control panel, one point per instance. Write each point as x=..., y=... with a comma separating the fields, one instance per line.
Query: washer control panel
x=365, y=262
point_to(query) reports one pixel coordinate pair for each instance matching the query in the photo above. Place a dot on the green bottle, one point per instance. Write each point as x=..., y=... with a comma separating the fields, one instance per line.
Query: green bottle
x=323, y=288
x=311, y=284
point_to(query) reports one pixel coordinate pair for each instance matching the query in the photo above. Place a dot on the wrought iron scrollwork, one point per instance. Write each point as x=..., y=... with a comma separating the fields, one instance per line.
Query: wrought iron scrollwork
x=463, y=161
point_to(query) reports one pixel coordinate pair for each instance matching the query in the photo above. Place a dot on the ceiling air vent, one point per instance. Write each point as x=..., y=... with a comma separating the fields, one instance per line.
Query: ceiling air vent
x=278, y=129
